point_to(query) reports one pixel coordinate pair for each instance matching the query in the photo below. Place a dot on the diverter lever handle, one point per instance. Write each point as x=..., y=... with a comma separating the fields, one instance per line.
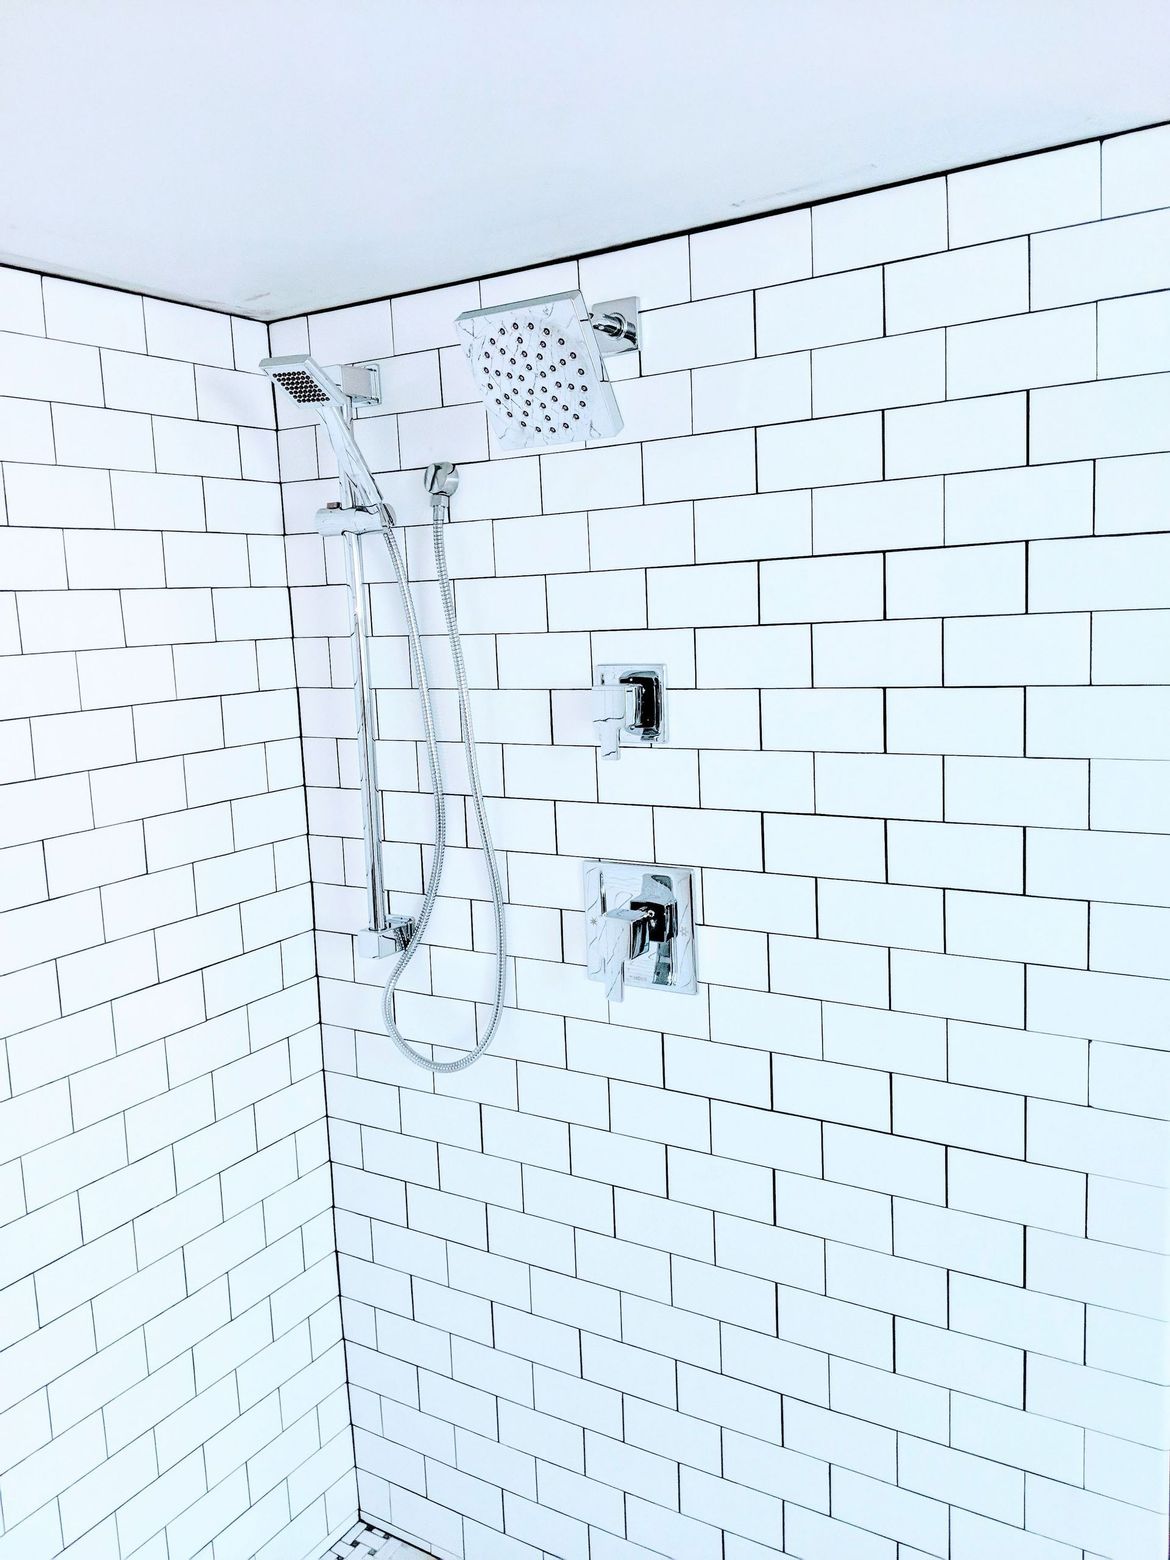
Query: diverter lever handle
x=625, y=934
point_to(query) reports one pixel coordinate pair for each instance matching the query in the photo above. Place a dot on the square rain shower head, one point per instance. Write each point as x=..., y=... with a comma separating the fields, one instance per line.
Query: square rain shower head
x=537, y=365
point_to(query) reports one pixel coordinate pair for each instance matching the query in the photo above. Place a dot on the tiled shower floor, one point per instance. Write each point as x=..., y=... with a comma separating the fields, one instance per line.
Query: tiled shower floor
x=363, y=1540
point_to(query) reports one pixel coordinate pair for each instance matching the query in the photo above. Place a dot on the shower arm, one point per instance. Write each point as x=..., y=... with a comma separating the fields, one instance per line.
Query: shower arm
x=620, y=331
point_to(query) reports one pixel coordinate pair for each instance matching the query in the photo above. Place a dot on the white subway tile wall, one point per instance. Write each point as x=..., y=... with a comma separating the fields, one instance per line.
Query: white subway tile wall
x=172, y=1378
x=859, y=1252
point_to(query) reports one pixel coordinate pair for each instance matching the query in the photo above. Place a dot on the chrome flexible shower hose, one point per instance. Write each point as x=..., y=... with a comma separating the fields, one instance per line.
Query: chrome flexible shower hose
x=361, y=478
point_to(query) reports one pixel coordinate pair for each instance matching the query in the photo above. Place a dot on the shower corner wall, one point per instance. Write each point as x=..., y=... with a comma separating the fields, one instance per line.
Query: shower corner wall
x=170, y=1363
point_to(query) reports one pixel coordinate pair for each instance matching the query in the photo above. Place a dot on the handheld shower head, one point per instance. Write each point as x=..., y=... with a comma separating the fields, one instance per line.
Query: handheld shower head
x=303, y=380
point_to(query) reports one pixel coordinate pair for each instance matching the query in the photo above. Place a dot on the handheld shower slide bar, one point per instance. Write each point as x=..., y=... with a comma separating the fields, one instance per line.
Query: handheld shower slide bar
x=361, y=511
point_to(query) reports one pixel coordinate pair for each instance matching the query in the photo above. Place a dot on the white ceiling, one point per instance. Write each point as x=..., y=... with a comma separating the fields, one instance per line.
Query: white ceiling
x=273, y=156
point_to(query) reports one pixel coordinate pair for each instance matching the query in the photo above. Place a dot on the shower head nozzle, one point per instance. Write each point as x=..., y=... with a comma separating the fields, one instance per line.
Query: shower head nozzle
x=304, y=381
x=537, y=365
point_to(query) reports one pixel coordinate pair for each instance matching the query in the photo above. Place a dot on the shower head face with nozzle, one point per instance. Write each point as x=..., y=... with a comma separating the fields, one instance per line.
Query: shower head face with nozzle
x=538, y=368
x=303, y=380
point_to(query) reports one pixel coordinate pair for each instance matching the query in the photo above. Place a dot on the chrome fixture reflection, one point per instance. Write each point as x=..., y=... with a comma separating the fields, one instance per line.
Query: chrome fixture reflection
x=639, y=927
x=362, y=510
x=538, y=365
x=629, y=706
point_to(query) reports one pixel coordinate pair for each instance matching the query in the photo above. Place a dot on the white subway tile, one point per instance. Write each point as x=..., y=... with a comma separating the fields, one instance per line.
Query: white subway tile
x=956, y=855
x=708, y=837
x=964, y=1242
x=755, y=657
x=1098, y=723
x=833, y=971
x=1100, y=573
x=878, y=515
x=1129, y=940
x=136, y=383
x=352, y=334
x=828, y=1091
x=1030, y=501
x=1113, y=417
x=812, y=454
x=844, y=719
x=56, y=495
x=691, y=334
x=621, y=538
x=70, y=620
x=892, y=371
x=613, y=599
x=909, y=219
x=886, y=654
x=986, y=722
x=32, y=560
x=658, y=273
x=884, y=1163
x=1024, y=194
x=825, y=847
x=756, y=253
x=820, y=312
x=196, y=449
x=705, y=594
x=1079, y=1516
x=592, y=479
x=821, y=589
x=451, y=433
x=880, y=913
x=756, y=781
x=956, y=436
x=964, y=284
x=1100, y=260
x=176, y=330
x=26, y=431
x=103, y=316
x=89, y=436
x=947, y=1474
x=767, y=525
x=21, y=303
x=141, y=499
x=1021, y=790
x=1052, y=347
x=99, y=856
x=49, y=370
x=983, y=990
x=761, y=390
x=427, y=319
x=107, y=559
x=1135, y=171
x=1036, y=931
x=40, y=809
x=703, y=466
x=1133, y=334
x=879, y=785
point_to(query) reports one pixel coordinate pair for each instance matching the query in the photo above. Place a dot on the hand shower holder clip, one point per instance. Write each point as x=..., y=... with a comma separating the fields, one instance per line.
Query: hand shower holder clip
x=384, y=941
x=349, y=519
